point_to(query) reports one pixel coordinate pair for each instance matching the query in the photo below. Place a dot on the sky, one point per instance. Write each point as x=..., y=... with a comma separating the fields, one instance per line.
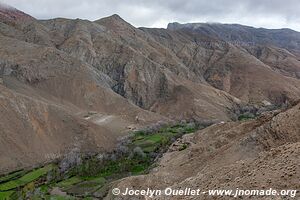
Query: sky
x=158, y=13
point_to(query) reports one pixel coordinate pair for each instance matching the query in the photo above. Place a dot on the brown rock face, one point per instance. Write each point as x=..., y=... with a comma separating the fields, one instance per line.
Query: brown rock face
x=234, y=68
x=145, y=65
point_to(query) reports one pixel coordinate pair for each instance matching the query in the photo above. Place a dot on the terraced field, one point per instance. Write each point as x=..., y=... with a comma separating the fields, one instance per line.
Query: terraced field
x=11, y=184
x=92, y=177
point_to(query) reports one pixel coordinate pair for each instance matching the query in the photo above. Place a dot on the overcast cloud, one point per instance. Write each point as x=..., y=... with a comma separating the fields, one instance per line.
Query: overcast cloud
x=158, y=13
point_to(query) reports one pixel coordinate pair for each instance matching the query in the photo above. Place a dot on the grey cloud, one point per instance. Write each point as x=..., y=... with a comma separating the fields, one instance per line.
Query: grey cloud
x=259, y=13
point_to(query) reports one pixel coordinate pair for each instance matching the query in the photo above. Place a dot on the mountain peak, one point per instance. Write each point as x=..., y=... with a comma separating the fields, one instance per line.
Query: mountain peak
x=115, y=18
x=173, y=25
x=115, y=22
x=10, y=13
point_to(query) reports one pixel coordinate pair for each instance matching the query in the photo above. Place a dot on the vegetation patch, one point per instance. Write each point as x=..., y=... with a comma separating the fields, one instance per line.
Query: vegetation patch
x=135, y=155
x=6, y=195
x=58, y=197
x=183, y=147
x=27, y=178
x=244, y=117
x=69, y=182
x=87, y=187
x=11, y=176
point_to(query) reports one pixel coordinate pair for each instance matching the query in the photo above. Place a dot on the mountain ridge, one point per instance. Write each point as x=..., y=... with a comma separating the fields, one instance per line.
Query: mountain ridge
x=229, y=32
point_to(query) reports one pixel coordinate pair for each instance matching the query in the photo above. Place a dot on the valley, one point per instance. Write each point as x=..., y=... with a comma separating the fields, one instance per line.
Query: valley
x=88, y=106
x=92, y=176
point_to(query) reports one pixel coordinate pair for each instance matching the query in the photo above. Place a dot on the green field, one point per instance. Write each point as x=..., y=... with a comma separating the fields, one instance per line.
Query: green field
x=6, y=195
x=27, y=178
x=69, y=182
x=11, y=176
x=87, y=187
x=92, y=174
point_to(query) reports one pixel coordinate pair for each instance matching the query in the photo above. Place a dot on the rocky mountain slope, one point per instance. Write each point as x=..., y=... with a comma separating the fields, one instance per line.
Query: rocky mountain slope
x=69, y=84
x=235, y=68
x=52, y=102
x=255, y=154
x=239, y=34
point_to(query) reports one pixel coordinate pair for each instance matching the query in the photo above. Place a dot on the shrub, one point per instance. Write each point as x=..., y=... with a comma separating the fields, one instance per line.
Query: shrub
x=246, y=116
x=138, y=151
x=183, y=147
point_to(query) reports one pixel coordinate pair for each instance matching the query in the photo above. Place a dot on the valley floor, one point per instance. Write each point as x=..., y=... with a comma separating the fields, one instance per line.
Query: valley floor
x=91, y=178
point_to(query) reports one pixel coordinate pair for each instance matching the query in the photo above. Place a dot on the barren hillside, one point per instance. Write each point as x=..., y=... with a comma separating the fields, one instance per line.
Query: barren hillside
x=261, y=153
x=76, y=85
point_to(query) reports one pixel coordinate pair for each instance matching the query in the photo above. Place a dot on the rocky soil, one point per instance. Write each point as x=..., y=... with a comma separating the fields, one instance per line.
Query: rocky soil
x=255, y=154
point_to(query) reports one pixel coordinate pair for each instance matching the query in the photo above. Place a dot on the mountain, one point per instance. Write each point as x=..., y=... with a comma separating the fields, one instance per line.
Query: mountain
x=245, y=35
x=52, y=103
x=139, y=69
x=274, y=47
x=265, y=62
x=76, y=84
